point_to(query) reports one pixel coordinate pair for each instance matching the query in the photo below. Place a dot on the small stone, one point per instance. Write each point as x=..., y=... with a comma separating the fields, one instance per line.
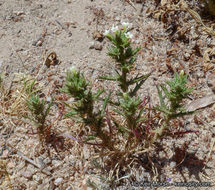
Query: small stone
x=212, y=123
x=27, y=174
x=39, y=78
x=37, y=179
x=98, y=46
x=172, y=164
x=32, y=185
x=50, y=73
x=5, y=154
x=20, y=13
x=58, y=181
x=47, y=161
x=187, y=56
x=92, y=45
x=69, y=188
x=117, y=19
x=39, y=43
x=95, y=45
x=56, y=163
x=10, y=165
x=74, y=24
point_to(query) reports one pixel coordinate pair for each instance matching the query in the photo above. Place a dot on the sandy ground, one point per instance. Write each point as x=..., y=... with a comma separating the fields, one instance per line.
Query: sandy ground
x=73, y=30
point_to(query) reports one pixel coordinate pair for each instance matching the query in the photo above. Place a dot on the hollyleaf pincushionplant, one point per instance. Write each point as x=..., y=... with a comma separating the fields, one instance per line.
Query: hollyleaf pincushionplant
x=127, y=126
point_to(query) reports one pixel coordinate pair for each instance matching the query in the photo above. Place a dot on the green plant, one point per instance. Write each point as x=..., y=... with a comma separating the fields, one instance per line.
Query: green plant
x=30, y=86
x=173, y=108
x=125, y=56
x=83, y=109
x=125, y=126
x=38, y=114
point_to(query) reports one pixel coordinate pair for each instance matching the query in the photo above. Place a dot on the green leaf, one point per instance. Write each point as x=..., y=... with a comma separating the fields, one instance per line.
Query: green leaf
x=161, y=98
x=162, y=109
x=140, y=113
x=119, y=112
x=137, y=79
x=99, y=92
x=112, y=78
x=141, y=119
x=105, y=103
x=49, y=107
x=137, y=87
x=181, y=114
x=134, y=52
x=71, y=114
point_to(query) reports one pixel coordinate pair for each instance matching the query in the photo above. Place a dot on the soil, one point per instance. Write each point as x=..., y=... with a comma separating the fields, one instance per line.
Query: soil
x=72, y=30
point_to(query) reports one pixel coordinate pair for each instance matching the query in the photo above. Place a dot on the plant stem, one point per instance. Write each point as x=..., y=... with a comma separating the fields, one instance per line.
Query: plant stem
x=124, y=80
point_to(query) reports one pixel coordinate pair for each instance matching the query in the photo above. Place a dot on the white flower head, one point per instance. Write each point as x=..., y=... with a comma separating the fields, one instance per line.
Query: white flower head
x=114, y=28
x=106, y=32
x=73, y=69
x=125, y=24
x=129, y=35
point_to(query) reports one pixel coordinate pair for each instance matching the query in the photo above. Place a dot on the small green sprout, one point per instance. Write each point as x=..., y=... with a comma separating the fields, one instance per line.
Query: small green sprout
x=39, y=112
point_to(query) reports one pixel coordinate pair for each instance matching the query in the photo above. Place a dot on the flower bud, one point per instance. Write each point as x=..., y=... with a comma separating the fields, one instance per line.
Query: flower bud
x=182, y=73
x=73, y=69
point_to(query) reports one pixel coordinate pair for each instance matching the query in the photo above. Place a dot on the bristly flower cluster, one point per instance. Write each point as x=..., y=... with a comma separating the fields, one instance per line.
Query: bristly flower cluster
x=175, y=95
x=178, y=91
x=125, y=56
x=83, y=109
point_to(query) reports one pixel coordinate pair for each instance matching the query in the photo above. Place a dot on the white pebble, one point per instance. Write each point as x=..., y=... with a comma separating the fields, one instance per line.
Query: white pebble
x=58, y=181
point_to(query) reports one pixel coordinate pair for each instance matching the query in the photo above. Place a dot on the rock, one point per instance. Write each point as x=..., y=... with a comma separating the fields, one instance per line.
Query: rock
x=98, y=46
x=95, y=45
x=69, y=188
x=56, y=163
x=20, y=13
x=27, y=174
x=172, y=164
x=47, y=161
x=92, y=45
x=58, y=181
x=10, y=165
x=50, y=73
x=39, y=43
x=5, y=153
